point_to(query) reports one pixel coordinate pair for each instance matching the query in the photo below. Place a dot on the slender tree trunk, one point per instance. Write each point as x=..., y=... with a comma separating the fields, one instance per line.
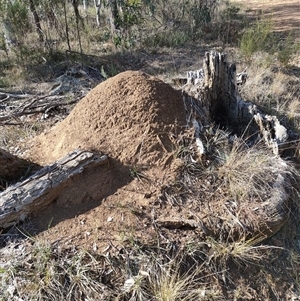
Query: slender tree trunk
x=37, y=21
x=114, y=19
x=98, y=7
x=67, y=27
x=78, y=35
x=77, y=14
x=78, y=19
x=10, y=38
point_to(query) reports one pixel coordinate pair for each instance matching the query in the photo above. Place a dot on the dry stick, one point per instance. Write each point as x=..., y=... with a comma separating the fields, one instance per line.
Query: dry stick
x=42, y=110
x=17, y=96
x=11, y=123
x=38, y=99
x=29, y=105
x=4, y=118
x=4, y=99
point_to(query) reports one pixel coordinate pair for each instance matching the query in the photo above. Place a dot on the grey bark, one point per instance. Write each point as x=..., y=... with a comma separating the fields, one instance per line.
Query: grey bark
x=37, y=21
x=116, y=7
x=84, y=4
x=66, y=25
x=42, y=188
x=221, y=102
x=98, y=8
x=114, y=15
x=220, y=88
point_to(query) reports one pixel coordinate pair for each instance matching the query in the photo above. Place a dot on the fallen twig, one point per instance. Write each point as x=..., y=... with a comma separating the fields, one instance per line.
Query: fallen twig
x=13, y=95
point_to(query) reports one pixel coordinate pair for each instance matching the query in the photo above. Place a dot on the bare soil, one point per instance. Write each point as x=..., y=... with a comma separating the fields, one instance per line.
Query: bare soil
x=284, y=14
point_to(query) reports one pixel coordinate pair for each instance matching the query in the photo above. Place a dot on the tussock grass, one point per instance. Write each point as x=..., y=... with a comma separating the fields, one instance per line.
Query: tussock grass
x=242, y=252
x=168, y=284
x=170, y=272
x=171, y=279
x=250, y=171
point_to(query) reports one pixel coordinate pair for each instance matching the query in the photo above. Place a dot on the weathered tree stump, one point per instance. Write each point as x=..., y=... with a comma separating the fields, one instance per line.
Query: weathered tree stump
x=20, y=200
x=220, y=88
x=212, y=97
x=216, y=92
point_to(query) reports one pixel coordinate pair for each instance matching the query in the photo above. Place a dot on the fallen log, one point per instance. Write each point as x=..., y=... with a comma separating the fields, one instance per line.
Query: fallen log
x=22, y=199
x=35, y=107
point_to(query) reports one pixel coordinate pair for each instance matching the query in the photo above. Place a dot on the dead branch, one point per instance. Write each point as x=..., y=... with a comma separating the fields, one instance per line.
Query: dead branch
x=13, y=95
x=36, y=108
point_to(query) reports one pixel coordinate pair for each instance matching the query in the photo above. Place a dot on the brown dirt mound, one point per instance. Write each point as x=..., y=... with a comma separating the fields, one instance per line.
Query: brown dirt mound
x=130, y=117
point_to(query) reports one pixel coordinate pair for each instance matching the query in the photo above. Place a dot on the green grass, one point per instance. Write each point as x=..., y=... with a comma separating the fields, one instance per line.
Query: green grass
x=286, y=49
x=171, y=39
x=258, y=37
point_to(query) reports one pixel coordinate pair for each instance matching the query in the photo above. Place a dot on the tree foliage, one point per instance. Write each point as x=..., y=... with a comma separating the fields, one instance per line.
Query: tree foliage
x=127, y=23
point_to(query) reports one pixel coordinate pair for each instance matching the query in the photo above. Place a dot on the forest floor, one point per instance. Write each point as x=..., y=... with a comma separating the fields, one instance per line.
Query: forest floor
x=283, y=13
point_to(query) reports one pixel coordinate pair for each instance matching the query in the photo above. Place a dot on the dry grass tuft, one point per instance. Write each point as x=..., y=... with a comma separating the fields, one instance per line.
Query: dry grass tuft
x=46, y=274
x=243, y=252
x=250, y=172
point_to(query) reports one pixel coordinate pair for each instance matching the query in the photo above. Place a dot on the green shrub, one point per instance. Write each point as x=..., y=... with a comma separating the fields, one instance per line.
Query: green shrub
x=287, y=48
x=18, y=16
x=166, y=39
x=257, y=38
x=229, y=24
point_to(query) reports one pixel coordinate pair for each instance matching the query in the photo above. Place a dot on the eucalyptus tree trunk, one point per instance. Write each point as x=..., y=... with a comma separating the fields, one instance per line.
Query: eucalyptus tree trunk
x=98, y=8
x=66, y=25
x=78, y=19
x=75, y=5
x=37, y=21
x=114, y=16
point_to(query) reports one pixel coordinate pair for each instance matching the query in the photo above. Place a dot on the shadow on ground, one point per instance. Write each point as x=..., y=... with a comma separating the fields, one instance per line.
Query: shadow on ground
x=83, y=193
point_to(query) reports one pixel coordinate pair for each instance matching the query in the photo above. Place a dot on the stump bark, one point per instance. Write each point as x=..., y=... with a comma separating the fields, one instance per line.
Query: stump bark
x=225, y=107
x=220, y=88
